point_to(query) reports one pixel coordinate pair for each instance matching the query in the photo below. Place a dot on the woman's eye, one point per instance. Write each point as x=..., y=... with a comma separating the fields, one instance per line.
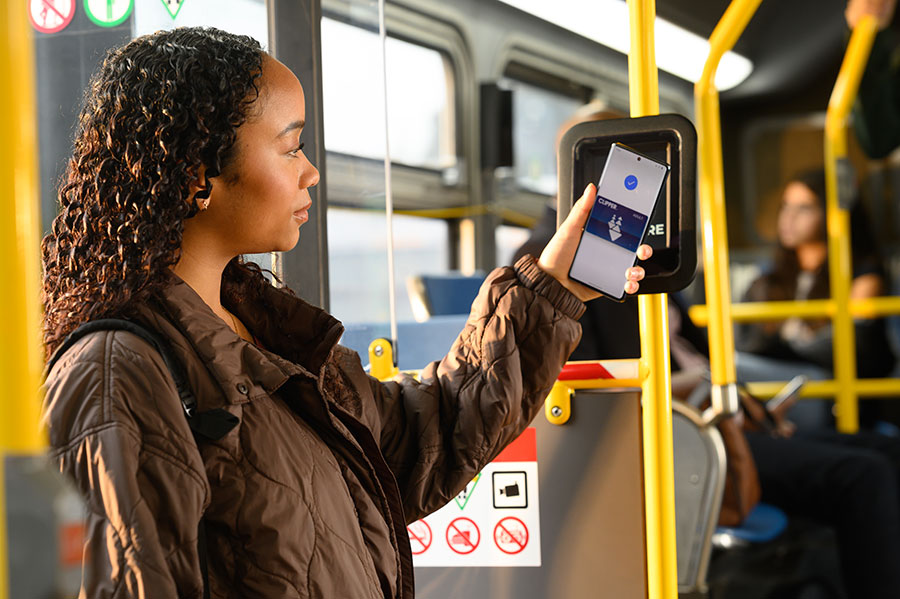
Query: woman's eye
x=298, y=148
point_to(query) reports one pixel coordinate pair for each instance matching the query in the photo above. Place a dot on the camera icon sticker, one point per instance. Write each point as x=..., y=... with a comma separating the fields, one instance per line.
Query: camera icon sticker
x=510, y=489
x=630, y=182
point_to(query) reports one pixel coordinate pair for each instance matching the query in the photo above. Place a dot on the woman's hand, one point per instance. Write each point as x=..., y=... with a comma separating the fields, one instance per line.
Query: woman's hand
x=556, y=259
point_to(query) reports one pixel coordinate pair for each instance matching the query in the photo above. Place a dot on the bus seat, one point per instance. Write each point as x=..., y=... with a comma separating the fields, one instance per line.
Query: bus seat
x=439, y=295
x=699, y=455
x=418, y=342
x=764, y=523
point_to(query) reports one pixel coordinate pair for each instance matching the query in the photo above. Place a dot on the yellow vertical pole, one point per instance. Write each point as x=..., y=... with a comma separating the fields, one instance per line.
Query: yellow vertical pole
x=21, y=358
x=712, y=206
x=840, y=268
x=656, y=387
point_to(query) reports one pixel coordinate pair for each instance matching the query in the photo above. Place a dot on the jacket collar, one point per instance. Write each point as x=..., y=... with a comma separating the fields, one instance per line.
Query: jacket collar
x=296, y=338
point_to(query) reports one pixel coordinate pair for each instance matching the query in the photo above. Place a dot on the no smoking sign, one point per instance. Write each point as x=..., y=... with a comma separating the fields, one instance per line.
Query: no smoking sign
x=51, y=16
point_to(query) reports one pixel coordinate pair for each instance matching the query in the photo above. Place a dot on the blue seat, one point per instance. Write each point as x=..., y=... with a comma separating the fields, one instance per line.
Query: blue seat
x=440, y=295
x=765, y=523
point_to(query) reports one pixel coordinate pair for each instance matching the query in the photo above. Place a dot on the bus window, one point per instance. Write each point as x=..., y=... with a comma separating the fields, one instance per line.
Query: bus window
x=509, y=239
x=357, y=252
x=537, y=116
x=420, y=99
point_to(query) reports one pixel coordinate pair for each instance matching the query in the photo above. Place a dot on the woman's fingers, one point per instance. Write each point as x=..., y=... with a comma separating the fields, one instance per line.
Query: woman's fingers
x=644, y=252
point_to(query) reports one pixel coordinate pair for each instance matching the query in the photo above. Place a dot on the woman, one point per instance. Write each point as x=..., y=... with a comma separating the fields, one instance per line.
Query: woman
x=800, y=272
x=187, y=156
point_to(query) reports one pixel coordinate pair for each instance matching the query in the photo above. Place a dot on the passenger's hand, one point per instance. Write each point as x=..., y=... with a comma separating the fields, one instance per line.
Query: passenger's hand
x=556, y=259
x=883, y=10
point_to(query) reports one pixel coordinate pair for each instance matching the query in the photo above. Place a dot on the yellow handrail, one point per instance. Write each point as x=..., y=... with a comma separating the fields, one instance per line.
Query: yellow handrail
x=838, y=217
x=883, y=388
x=712, y=192
x=21, y=356
x=824, y=308
x=659, y=490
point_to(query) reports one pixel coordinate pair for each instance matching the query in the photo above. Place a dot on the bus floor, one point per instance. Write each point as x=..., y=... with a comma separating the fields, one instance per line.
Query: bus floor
x=802, y=563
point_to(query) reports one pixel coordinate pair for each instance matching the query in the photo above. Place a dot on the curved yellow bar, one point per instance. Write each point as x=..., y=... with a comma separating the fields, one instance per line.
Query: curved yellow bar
x=712, y=192
x=838, y=217
x=659, y=490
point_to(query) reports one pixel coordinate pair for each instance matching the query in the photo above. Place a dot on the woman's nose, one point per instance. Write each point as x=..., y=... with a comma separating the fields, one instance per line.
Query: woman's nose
x=310, y=176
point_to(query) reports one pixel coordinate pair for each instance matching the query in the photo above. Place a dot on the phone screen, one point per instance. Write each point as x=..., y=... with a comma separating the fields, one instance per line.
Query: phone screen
x=626, y=195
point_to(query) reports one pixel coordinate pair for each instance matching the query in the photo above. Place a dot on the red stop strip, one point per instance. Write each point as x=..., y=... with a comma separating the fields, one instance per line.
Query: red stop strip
x=580, y=372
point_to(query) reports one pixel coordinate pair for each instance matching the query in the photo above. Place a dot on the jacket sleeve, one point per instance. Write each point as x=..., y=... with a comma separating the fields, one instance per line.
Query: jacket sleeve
x=876, y=114
x=437, y=433
x=140, y=482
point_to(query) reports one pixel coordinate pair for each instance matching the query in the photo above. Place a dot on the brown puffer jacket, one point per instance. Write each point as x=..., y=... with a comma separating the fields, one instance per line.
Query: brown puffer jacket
x=309, y=496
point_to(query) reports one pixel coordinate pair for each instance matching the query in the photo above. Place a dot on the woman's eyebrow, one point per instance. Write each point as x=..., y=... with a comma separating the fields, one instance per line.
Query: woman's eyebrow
x=293, y=126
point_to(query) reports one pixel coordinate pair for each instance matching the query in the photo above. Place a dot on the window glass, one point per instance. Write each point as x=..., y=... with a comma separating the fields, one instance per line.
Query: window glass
x=357, y=255
x=420, y=98
x=537, y=116
x=508, y=240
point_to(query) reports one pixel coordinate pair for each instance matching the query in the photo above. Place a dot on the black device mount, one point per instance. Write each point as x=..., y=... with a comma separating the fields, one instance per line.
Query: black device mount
x=672, y=230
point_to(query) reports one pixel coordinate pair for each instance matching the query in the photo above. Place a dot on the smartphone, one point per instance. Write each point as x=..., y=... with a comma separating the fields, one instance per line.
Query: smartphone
x=626, y=194
x=789, y=391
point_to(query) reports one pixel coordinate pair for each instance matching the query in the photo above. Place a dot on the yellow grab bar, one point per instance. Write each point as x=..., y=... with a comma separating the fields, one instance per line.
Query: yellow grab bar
x=824, y=308
x=883, y=388
x=659, y=491
x=840, y=268
x=712, y=193
x=21, y=355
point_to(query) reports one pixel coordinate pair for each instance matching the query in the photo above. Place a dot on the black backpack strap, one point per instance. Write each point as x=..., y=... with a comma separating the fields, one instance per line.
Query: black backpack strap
x=211, y=424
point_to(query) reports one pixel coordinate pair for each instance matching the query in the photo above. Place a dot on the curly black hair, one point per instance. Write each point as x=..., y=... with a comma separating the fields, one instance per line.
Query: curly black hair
x=158, y=108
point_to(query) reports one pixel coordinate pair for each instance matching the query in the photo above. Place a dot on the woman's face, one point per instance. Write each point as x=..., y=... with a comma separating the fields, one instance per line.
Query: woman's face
x=259, y=203
x=801, y=219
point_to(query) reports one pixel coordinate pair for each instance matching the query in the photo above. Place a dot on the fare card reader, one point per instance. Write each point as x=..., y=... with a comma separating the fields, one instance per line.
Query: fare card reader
x=672, y=231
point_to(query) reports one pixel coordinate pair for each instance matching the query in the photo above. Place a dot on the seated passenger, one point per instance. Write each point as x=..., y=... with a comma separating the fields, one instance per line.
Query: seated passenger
x=846, y=482
x=781, y=350
x=189, y=154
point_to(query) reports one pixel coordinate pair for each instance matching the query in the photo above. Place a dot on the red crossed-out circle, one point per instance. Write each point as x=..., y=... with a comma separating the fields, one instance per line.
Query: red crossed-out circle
x=463, y=536
x=511, y=535
x=51, y=16
x=419, y=537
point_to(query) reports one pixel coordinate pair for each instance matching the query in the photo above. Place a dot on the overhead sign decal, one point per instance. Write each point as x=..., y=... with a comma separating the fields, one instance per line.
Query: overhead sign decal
x=108, y=13
x=173, y=6
x=501, y=526
x=51, y=16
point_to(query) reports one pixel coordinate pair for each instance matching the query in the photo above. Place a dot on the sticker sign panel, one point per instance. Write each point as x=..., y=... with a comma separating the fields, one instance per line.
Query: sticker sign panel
x=493, y=522
x=108, y=13
x=51, y=16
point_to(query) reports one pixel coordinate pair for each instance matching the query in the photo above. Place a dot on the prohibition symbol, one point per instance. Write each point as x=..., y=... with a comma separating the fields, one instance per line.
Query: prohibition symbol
x=511, y=535
x=463, y=536
x=51, y=16
x=108, y=13
x=419, y=536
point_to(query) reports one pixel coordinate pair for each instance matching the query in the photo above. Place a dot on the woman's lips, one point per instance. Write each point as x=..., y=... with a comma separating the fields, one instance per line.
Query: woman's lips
x=302, y=215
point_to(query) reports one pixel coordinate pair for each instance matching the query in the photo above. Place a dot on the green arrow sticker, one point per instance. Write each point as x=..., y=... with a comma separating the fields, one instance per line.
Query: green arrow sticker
x=173, y=6
x=108, y=13
x=463, y=498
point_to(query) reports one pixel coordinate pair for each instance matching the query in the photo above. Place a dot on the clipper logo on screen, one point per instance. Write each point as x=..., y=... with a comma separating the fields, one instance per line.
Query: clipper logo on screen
x=617, y=223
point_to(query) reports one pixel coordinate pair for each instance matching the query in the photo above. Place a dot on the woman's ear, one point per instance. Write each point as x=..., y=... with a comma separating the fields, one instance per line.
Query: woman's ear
x=198, y=191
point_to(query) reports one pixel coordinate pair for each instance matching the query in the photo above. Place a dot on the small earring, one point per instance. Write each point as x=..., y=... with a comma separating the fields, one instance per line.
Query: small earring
x=204, y=203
